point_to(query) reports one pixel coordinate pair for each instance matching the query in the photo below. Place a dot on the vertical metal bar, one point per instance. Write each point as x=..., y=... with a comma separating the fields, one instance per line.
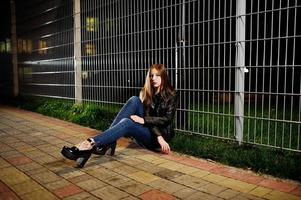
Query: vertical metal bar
x=77, y=52
x=293, y=75
x=263, y=73
x=230, y=70
x=250, y=73
x=224, y=66
x=193, y=67
x=219, y=67
x=213, y=68
x=278, y=62
x=285, y=78
x=256, y=74
x=208, y=71
x=203, y=69
x=270, y=74
x=239, y=68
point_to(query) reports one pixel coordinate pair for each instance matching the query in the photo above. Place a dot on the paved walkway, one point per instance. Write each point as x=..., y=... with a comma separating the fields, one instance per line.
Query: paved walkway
x=31, y=167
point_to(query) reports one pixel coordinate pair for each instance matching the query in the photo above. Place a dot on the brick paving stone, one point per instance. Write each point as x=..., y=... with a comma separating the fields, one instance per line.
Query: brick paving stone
x=133, y=187
x=17, y=144
x=5, y=147
x=36, y=171
x=201, y=195
x=3, y=163
x=10, y=154
x=45, y=177
x=125, y=170
x=26, y=148
x=277, y=195
x=110, y=192
x=26, y=187
x=155, y=195
x=187, y=169
x=172, y=165
x=20, y=160
x=237, y=185
x=143, y=177
x=214, y=178
x=79, y=196
x=91, y=184
x=70, y=173
x=9, y=196
x=38, y=195
x=166, y=185
x=246, y=196
x=150, y=158
x=168, y=174
x=149, y=167
x=297, y=191
x=35, y=155
x=116, y=180
x=6, y=193
x=45, y=159
x=190, y=181
x=130, y=198
x=284, y=187
x=184, y=193
x=112, y=164
x=68, y=190
x=260, y=191
x=212, y=188
x=57, y=184
x=80, y=178
x=228, y=194
x=102, y=173
x=11, y=176
x=200, y=173
x=130, y=161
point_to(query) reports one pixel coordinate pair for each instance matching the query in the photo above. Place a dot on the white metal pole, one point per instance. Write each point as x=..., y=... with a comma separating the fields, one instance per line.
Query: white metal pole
x=239, y=68
x=77, y=52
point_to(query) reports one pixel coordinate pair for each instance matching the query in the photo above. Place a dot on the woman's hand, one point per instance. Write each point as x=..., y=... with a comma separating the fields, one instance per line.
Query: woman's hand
x=164, y=145
x=137, y=119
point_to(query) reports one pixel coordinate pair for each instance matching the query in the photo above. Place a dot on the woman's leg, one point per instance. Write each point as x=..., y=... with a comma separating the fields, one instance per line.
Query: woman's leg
x=125, y=127
x=133, y=106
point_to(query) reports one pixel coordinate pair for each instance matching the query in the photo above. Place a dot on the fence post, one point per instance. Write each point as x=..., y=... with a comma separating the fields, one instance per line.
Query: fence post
x=14, y=49
x=77, y=52
x=239, y=68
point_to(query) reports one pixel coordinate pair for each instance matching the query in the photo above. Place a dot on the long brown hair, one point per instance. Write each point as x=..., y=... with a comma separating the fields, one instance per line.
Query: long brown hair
x=148, y=90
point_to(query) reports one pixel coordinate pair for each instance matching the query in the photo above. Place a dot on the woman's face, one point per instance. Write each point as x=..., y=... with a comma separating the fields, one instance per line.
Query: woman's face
x=155, y=78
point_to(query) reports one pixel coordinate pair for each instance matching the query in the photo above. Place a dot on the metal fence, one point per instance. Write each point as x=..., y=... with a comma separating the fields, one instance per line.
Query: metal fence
x=234, y=63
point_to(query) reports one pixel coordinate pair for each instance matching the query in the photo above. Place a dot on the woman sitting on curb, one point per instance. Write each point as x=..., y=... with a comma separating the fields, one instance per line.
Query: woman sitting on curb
x=147, y=118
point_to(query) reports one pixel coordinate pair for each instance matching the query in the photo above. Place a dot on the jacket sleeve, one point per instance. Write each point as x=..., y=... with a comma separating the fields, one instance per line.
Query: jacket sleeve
x=156, y=131
x=167, y=118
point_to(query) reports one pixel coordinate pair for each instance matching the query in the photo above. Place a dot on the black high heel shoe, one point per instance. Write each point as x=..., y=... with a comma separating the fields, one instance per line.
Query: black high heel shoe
x=73, y=153
x=108, y=149
x=81, y=156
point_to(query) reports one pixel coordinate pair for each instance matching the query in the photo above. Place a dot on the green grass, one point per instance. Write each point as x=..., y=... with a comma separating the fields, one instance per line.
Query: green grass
x=88, y=114
x=259, y=131
x=280, y=163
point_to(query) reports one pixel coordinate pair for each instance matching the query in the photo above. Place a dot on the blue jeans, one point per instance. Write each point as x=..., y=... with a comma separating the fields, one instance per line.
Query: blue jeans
x=123, y=125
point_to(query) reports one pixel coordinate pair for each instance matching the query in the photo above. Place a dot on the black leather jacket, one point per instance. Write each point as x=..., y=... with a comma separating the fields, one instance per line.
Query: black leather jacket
x=159, y=118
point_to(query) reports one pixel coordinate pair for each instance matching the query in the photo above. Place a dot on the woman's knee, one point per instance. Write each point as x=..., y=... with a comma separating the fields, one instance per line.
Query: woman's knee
x=126, y=122
x=135, y=99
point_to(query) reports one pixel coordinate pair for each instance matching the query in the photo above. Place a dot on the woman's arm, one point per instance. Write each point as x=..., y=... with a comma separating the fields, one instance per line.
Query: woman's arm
x=164, y=145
